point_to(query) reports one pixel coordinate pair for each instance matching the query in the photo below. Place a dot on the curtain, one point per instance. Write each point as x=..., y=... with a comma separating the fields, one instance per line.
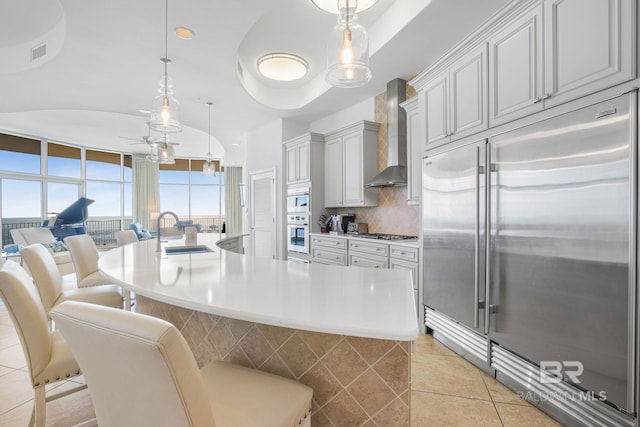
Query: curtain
x=146, y=191
x=233, y=214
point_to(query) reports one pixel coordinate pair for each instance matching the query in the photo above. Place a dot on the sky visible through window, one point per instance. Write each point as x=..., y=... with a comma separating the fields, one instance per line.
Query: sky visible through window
x=21, y=198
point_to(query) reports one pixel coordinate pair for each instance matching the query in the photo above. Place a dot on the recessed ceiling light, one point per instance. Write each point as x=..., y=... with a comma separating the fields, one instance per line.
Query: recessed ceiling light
x=144, y=111
x=333, y=6
x=184, y=33
x=282, y=66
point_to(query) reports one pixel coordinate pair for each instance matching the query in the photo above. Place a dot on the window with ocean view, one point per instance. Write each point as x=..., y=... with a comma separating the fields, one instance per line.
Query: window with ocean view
x=106, y=178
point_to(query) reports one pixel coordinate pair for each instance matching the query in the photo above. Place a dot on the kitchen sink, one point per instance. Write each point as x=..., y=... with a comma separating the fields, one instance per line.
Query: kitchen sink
x=175, y=250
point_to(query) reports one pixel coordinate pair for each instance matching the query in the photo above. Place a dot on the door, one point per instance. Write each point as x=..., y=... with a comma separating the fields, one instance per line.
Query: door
x=292, y=164
x=453, y=233
x=588, y=46
x=263, y=214
x=333, y=173
x=469, y=94
x=435, y=100
x=516, y=69
x=352, y=169
x=562, y=275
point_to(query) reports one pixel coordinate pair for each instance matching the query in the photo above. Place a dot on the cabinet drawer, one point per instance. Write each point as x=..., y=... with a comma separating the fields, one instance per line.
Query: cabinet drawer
x=403, y=253
x=372, y=261
x=381, y=249
x=324, y=256
x=329, y=242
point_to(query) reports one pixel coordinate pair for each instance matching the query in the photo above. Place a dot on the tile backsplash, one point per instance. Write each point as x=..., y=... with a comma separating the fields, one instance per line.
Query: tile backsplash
x=392, y=215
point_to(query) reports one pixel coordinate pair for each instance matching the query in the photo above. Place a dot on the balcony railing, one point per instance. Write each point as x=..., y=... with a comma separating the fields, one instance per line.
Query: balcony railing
x=102, y=229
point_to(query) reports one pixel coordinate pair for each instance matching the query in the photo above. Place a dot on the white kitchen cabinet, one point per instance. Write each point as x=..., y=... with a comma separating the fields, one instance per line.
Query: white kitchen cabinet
x=350, y=162
x=516, y=69
x=588, y=46
x=405, y=257
x=435, y=100
x=414, y=150
x=298, y=154
x=368, y=254
x=329, y=250
x=455, y=100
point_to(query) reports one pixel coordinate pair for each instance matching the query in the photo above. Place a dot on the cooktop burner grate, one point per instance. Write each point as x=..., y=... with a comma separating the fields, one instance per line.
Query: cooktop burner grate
x=381, y=236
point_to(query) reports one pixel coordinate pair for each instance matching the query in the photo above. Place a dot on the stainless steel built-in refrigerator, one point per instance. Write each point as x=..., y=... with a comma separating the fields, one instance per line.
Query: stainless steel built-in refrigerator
x=558, y=269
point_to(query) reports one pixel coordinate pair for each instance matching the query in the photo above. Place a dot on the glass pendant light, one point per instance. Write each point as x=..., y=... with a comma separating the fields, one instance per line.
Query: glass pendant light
x=209, y=167
x=165, y=113
x=165, y=152
x=348, y=50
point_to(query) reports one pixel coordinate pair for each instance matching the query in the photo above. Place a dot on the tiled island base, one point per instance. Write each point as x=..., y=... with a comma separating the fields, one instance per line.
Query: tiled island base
x=355, y=381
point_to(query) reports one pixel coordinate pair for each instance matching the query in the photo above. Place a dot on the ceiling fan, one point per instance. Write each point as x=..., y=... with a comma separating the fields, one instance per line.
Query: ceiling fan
x=148, y=140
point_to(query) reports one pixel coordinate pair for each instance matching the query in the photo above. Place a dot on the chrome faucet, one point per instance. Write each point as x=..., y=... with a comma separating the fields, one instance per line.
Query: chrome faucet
x=158, y=248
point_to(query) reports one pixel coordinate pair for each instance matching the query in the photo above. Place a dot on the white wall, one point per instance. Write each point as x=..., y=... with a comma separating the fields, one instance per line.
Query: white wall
x=364, y=110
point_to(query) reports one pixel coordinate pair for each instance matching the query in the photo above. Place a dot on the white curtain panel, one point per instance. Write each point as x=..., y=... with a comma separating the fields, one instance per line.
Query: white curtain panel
x=146, y=191
x=233, y=214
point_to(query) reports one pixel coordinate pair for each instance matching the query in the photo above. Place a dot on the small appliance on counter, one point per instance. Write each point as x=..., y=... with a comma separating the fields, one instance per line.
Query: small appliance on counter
x=357, y=228
x=340, y=222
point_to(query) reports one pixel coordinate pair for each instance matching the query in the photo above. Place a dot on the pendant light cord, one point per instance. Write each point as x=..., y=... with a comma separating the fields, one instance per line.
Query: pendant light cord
x=209, y=151
x=166, y=44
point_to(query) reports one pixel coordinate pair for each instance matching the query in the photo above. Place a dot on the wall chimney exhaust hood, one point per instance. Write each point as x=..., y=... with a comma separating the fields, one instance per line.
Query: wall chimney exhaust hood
x=395, y=174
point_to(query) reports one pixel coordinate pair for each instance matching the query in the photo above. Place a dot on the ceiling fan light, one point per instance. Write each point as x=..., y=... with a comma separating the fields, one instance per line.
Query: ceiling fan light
x=166, y=154
x=282, y=66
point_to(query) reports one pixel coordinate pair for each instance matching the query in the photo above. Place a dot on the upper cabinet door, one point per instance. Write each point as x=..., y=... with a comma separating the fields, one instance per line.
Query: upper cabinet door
x=588, y=46
x=414, y=151
x=292, y=164
x=516, y=69
x=468, y=93
x=333, y=172
x=436, y=109
x=352, y=171
x=304, y=161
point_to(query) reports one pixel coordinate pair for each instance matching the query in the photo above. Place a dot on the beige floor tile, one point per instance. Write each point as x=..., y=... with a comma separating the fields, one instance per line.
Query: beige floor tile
x=12, y=357
x=5, y=319
x=524, y=416
x=15, y=390
x=501, y=393
x=429, y=345
x=17, y=417
x=8, y=336
x=4, y=370
x=436, y=410
x=450, y=375
x=64, y=412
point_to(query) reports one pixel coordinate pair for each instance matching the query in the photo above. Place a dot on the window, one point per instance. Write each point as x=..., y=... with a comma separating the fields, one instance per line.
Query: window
x=63, y=160
x=21, y=199
x=106, y=197
x=103, y=166
x=60, y=195
x=19, y=154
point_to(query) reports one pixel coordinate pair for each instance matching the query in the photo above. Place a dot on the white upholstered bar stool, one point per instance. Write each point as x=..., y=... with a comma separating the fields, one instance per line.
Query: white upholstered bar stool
x=124, y=237
x=49, y=282
x=47, y=354
x=163, y=385
x=84, y=254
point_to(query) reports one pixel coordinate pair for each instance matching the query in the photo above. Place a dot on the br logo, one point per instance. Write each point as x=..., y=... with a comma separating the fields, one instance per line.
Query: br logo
x=551, y=371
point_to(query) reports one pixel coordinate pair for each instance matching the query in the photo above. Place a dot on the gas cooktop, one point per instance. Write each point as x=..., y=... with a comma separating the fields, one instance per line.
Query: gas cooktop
x=381, y=236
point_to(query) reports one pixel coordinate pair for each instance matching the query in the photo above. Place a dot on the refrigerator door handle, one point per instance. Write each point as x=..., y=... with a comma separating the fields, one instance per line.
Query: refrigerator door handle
x=487, y=239
x=476, y=279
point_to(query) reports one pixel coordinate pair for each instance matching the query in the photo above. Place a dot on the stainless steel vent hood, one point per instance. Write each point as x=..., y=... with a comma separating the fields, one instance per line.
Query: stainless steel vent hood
x=395, y=174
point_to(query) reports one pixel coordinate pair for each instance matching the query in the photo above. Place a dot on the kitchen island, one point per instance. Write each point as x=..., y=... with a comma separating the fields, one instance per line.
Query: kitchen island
x=345, y=332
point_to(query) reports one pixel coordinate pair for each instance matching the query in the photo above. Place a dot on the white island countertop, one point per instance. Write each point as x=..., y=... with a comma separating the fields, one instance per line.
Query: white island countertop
x=361, y=302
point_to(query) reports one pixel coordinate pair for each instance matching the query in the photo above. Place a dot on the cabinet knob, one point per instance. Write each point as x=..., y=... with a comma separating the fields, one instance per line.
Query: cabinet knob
x=378, y=249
